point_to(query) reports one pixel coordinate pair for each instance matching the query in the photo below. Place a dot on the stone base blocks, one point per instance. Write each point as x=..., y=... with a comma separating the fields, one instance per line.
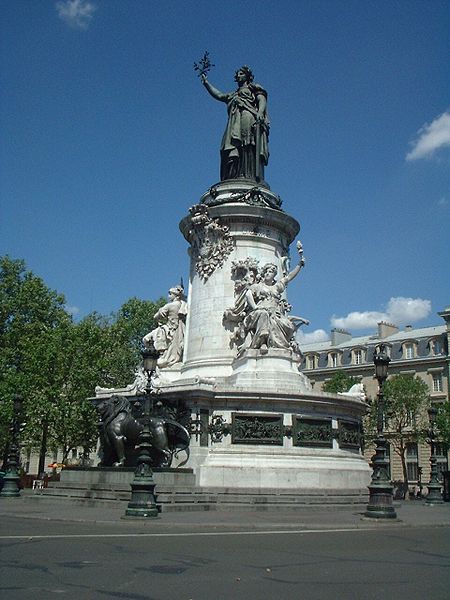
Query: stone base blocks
x=176, y=490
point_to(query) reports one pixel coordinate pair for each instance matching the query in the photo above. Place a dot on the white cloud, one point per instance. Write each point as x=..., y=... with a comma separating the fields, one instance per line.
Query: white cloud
x=358, y=320
x=399, y=311
x=431, y=137
x=76, y=13
x=407, y=310
x=319, y=335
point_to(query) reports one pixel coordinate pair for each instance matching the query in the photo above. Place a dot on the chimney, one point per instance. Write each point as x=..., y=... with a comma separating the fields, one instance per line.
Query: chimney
x=386, y=329
x=339, y=336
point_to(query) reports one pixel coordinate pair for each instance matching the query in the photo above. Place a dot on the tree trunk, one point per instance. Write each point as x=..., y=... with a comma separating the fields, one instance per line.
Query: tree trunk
x=43, y=448
x=405, y=471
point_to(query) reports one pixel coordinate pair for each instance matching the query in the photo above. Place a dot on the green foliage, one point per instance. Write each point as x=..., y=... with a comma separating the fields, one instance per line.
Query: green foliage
x=129, y=325
x=406, y=401
x=339, y=382
x=33, y=328
x=55, y=363
x=443, y=422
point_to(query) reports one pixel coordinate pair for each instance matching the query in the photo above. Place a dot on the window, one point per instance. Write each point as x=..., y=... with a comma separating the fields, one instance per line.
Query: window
x=437, y=382
x=311, y=361
x=387, y=349
x=409, y=418
x=333, y=360
x=412, y=462
x=441, y=459
x=435, y=347
x=357, y=357
x=409, y=351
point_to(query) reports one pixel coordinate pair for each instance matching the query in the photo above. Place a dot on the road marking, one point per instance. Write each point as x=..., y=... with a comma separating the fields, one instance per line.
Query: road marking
x=186, y=534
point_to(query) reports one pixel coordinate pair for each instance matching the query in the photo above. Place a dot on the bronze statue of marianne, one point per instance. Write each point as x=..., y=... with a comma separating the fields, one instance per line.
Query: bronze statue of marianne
x=245, y=150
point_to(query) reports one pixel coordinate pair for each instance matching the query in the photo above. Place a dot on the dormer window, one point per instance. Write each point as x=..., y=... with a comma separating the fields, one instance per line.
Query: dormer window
x=435, y=347
x=312, y=360
x=357, y=356
x=333, y=359
x=387, y=348
x=409, y=350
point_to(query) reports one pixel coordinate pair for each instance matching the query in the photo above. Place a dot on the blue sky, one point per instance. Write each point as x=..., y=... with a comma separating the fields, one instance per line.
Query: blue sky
x=109, y=137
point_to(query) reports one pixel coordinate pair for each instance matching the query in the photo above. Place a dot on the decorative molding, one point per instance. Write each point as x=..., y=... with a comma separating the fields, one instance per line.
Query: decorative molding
x=218, y=429
x=256, y=197
x=210, y=241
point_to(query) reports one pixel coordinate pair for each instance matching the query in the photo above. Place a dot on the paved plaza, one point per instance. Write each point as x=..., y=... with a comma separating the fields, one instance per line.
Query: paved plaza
x=61, y=549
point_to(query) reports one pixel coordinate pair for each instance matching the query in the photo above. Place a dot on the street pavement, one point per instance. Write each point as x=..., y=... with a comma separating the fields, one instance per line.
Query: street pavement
x=60, y=548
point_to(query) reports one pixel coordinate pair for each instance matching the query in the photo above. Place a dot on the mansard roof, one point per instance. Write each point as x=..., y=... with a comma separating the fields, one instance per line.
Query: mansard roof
x=373, y=340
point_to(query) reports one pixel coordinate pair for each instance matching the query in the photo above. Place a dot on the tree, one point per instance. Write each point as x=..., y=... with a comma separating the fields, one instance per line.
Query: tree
x=73, y=419
x=34, y=326
x=443, y=422
x=406, y=400
x=340, y=382
x=55, y=363
x=134, y=319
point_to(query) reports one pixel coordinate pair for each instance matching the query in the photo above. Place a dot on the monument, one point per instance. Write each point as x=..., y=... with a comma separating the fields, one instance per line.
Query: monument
x=228, y=353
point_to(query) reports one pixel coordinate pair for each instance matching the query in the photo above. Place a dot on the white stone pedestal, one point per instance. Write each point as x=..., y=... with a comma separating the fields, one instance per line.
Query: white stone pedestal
x=268, y=428
x=254, y=231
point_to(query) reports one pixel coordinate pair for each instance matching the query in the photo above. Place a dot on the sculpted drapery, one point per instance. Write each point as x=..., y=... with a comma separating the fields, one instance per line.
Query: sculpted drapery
x=244, y=149
x=168, y=338
x=261, y=312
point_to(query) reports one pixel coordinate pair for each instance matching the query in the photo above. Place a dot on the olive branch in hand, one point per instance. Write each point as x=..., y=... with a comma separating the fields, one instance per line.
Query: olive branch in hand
x=204, y=65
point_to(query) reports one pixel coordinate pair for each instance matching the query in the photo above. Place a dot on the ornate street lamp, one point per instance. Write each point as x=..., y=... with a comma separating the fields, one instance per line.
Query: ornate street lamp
x=380, y=489
x=434, y=487
x=142, y=504
x=11, y=488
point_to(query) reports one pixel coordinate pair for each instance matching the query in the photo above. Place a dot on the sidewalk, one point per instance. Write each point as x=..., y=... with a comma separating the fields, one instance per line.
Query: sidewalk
x=410, y=514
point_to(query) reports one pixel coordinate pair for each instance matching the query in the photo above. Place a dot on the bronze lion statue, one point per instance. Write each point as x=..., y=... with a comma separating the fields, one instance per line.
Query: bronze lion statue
x=119, y=433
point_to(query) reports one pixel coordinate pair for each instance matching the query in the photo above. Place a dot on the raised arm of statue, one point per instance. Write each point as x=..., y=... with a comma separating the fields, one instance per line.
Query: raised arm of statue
x=215, y=93
x=296, y=270
x=244, y=151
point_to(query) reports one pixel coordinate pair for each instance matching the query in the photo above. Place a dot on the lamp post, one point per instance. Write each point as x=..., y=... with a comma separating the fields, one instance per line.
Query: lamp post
x=142, y=504
x=380, y=504
x=434, y=487
x=11, y=480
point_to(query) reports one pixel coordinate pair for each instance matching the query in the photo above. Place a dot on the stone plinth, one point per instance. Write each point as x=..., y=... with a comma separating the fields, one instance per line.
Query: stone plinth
x=267, y=426
x=283, y=468
x=259, y=424
x=258, y=232
x=277, y=369
x=250, y=458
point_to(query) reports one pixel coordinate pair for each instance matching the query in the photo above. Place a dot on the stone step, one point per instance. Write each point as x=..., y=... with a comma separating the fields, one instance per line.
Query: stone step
x=201, y=497
x=240, y=500
x=166, y=508
x=200, y=506
x=176, y=490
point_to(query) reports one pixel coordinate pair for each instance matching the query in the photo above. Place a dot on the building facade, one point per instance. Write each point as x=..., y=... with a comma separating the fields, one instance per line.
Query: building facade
x=421, y=352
